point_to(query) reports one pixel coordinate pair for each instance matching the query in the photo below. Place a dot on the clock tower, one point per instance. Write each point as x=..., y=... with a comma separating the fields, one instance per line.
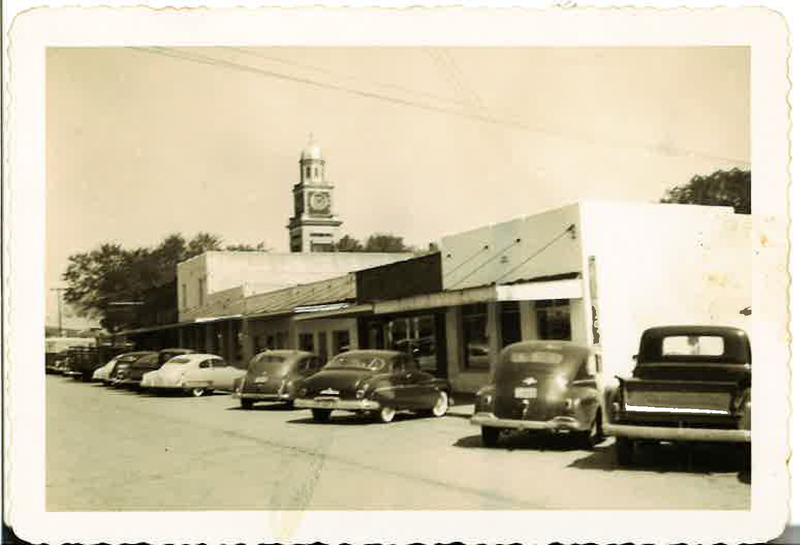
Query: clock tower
x=314, y=227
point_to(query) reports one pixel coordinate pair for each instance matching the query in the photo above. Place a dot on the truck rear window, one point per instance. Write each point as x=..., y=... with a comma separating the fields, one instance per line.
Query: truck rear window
x=693, y=345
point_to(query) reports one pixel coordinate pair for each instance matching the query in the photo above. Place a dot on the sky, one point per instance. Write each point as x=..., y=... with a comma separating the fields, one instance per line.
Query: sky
x=420, y=142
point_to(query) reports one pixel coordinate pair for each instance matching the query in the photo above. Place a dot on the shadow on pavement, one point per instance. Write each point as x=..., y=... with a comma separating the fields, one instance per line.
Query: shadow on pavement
x=668, y=457
x=355, y=419
x=521, y=440
x=265, y=406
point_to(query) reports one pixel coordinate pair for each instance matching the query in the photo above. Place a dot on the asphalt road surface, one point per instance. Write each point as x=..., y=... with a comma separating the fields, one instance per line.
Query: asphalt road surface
x=111, y=450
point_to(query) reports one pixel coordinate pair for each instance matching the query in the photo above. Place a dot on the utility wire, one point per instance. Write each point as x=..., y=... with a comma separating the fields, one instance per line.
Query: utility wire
x=470, y=258
x=570, y=229
x=213, y=61
x=479, y=267
x=351, y=77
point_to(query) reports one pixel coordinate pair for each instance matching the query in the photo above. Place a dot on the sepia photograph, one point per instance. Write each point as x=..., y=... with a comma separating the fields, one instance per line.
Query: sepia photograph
x=408, y=277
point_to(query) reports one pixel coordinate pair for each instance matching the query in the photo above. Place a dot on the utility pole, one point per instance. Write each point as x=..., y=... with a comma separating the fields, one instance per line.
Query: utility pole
x=58, y=293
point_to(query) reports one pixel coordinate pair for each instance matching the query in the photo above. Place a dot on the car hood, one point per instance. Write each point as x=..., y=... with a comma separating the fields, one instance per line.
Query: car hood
x=345, y=381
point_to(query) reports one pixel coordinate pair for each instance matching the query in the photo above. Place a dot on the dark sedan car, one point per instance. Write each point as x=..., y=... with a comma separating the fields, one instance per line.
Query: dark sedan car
x=273, y=375
x=377, y=382
x=124, y=362
x=543, y=385
x=131, y=375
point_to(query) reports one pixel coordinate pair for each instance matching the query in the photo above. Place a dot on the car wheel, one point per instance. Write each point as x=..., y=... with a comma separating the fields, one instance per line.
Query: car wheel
x=385, y=414
x=441, y=406
x=321, y=415
x=624, y=448
x=197, y=392
x=594, y=434
x=490, y=436
x=246, y=403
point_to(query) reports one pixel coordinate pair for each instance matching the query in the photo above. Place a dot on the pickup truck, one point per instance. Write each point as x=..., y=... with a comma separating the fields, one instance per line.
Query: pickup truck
x=690, y=383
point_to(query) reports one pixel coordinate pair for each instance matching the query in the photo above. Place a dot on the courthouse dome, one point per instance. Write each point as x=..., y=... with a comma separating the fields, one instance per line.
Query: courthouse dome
x=311, y=151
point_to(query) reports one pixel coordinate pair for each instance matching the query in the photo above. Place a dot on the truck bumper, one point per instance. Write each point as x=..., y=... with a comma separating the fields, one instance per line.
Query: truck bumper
x=663, y=433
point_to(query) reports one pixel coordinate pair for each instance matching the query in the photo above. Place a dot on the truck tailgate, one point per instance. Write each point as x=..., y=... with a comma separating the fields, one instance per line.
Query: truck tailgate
x=687, y=397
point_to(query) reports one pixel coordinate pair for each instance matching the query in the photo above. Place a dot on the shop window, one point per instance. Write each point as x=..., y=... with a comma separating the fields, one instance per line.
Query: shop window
x=257, y=346
x=510, y=323
x=341, y=341
x=322, y=345
x=270, y=342
x=183, y=296
x=308, y=172
x=553, y=320
x=280, y=340
x=305, y=341
x=201, y=289
x=474, y=320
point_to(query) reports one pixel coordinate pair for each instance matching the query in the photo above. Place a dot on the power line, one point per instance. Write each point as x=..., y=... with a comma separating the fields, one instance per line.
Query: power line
x=470, y=258
x=351, y=77
x=479, y=267
x=570, y=229
x=213, y=61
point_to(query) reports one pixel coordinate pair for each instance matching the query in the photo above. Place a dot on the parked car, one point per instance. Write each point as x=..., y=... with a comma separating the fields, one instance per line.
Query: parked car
x=58, y=363
x=124, y=361
x=86, y=360
x=273, y=375
x=380, y=382
x=53, y=346
x=690, y=383
x=102, y=374
x=195, y=374
x=76, y=356
x=130, y=376
x=543, y=385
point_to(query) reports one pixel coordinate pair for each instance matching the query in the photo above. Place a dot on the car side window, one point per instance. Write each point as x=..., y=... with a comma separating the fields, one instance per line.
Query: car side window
x=205, y=364
x=314, y=363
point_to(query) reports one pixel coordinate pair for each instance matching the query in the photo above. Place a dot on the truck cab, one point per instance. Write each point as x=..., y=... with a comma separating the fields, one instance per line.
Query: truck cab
x=690, y=383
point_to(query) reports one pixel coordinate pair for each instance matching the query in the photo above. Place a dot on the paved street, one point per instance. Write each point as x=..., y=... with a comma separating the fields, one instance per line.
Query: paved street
x=119, y=450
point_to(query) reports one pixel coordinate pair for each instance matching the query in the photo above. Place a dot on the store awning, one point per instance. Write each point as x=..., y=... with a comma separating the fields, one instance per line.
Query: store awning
x=541, y=291
x=534, y=290
x=341, y=312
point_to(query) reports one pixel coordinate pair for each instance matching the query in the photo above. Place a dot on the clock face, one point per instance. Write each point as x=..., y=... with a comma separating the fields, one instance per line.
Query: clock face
x=319, y=201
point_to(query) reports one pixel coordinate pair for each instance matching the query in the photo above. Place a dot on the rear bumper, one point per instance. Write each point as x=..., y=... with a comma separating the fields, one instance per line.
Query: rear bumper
x=262, y=396
x=663, y=433
x=338, y=404
x=566, y=423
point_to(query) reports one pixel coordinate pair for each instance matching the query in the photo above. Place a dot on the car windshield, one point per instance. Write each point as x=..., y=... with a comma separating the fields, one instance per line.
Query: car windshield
x=356, y=360
x=146, y=362
x=269, y=363
x=540, y=363
x=128, y=359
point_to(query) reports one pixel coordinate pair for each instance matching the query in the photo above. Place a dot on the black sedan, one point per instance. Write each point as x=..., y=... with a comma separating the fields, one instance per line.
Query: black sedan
x=543, y=385
x=376, y=382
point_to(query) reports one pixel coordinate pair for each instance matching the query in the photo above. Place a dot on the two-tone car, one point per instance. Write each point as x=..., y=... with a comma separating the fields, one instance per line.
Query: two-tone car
x=543, y=385
x=193, y=374
x=375, y=382
x=273, y=375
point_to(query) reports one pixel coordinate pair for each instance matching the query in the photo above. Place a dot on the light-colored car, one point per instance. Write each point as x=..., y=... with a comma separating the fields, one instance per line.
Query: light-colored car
x=194, y=374
x=104, y=373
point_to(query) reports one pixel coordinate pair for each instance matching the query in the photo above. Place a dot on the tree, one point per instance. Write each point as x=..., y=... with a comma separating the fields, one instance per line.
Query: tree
x=377, y=242
x=722, y=188
x=103, y=282
x=349, y=244
x=246, y=248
